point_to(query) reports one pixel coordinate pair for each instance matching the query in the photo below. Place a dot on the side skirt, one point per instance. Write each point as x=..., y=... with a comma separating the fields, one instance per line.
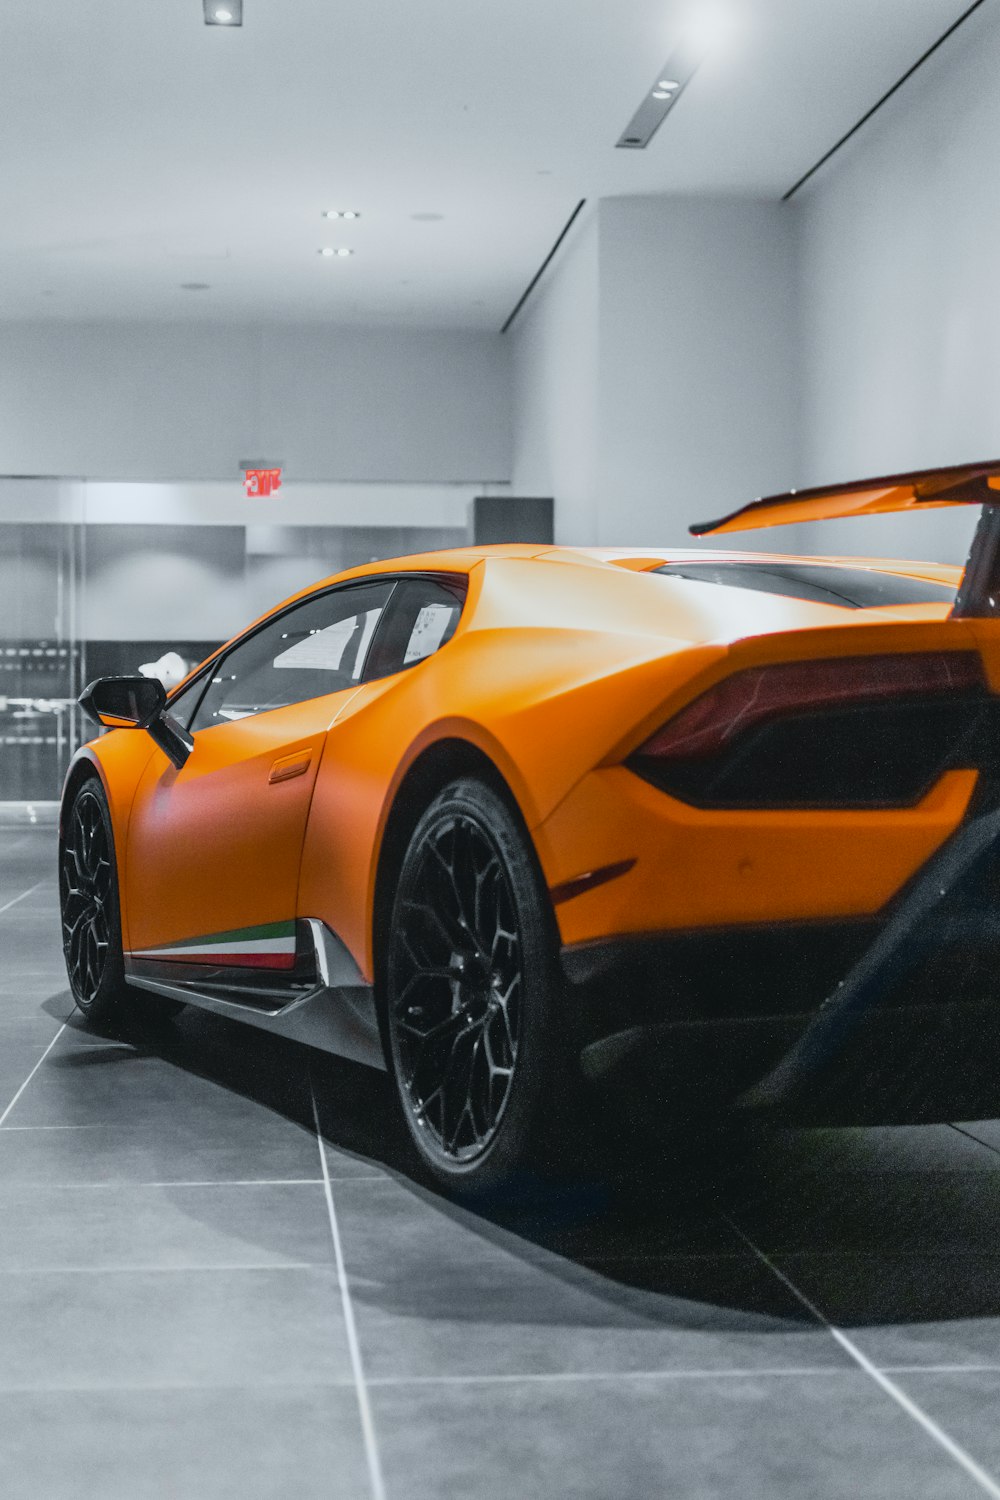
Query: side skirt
x=325, y=1002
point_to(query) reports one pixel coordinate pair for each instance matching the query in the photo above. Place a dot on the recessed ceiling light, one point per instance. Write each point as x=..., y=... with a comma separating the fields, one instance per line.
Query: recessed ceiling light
x=341, y=213
x=336, y=250
x=673, y=78
x=228, y=14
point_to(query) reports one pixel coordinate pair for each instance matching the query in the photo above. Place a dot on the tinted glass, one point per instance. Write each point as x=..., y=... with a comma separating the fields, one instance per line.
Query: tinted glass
x=420, y=620
x=183, y=704
x=318, y=648
x=851, y=588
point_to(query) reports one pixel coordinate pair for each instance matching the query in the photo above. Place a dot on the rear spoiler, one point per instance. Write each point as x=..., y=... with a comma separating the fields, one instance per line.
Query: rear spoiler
x=923, y=489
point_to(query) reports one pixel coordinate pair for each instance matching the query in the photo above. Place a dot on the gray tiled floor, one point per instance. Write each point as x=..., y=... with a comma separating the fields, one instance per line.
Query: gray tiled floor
x=175, y=1319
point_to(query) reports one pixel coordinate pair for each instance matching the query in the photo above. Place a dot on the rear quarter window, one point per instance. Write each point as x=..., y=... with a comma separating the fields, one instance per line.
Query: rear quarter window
x=850, y=588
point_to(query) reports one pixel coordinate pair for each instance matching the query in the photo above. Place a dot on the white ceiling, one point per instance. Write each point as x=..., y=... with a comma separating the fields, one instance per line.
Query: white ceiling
x=140, y=149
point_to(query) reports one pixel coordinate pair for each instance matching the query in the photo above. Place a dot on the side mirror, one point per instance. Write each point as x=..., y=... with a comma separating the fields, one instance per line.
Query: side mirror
x=137, y=703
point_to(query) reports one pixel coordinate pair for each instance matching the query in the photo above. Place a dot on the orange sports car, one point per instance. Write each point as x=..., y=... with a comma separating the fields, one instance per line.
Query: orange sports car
x=517, y=821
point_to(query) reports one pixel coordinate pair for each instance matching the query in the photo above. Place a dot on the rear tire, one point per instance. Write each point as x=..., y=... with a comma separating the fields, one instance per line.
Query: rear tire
x=472, y=996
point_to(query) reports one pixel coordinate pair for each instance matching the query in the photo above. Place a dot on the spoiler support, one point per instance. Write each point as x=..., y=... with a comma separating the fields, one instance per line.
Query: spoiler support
x=978, y=596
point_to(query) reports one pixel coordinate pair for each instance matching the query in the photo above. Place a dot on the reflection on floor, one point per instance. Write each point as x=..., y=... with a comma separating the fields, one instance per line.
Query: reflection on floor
x=201, y=1295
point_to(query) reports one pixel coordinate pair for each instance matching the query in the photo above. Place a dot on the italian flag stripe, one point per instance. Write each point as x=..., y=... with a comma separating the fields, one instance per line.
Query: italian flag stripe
x=271, y=945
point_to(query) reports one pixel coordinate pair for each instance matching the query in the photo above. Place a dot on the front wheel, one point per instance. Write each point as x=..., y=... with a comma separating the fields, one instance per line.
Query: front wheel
x=88, y=896
x=472, y=992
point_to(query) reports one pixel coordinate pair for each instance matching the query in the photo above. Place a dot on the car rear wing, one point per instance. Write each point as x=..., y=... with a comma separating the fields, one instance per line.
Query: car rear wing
x=923, y=489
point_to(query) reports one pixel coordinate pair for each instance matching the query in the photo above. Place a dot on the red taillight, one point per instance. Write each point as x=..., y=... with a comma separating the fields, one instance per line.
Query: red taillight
x=747, y=698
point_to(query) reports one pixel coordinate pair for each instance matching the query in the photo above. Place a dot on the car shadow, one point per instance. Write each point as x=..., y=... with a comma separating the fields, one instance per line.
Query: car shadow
x=875, y=1220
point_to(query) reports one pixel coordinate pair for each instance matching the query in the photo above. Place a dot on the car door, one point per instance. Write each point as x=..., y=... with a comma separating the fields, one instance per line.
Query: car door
x=214, y=849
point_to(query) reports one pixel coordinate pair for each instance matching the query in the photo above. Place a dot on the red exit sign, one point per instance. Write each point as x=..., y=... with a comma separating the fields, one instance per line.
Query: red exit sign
x=262, y=481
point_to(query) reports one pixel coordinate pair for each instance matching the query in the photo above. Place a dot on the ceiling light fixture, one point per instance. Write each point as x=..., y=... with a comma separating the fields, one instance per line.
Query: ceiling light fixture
x=335, y=250
x=229, y=14
x=676, y=74
x=341, y=213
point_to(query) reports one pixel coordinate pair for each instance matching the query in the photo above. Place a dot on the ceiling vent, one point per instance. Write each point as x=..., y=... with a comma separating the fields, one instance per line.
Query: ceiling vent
x=670, y=82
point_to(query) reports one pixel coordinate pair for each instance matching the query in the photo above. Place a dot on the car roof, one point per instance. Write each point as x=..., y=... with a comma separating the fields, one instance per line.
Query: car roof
x=634, y=559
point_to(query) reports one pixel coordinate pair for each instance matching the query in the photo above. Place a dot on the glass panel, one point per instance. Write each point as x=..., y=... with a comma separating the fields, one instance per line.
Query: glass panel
x=40, y=659
x=318, y=648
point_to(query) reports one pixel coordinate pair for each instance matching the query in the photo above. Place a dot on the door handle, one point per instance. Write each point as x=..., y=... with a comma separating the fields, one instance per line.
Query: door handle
x=290, y=765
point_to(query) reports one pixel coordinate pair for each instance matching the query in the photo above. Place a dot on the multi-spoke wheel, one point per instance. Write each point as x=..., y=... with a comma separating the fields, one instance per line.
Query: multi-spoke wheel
x=88, y=890
x=470, y=989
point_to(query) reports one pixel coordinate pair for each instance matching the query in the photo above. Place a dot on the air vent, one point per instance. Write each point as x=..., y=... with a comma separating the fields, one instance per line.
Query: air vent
x=664, y=92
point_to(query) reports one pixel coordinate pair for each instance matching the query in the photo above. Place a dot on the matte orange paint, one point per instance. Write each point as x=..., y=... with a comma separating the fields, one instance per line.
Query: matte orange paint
x=564, y=661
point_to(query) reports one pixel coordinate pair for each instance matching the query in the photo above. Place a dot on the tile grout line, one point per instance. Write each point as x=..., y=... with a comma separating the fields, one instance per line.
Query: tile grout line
x=583, y=1376
x=31, y=1075
x=970, y=1137
x=28, y=892
x=354, y=1347
x=965, y=1460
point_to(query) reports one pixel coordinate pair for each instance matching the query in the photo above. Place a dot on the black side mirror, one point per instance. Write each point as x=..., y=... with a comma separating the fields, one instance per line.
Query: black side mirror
x=137, y=703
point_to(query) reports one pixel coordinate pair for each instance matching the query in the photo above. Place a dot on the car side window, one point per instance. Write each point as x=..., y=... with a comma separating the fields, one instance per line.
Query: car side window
x=182, y=705
x=317, y=648
x=422, y=617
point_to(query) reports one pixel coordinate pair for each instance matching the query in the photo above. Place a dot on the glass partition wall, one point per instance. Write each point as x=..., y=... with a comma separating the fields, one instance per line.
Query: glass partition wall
x=85, y=596
x=41, y=660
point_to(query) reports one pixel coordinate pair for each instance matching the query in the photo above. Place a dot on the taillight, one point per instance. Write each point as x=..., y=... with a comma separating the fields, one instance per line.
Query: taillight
x=748, y=698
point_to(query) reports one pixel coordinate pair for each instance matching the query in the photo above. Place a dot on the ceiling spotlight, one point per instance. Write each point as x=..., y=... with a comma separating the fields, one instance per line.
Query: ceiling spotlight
x=336, y=250
x=341, y=213
x=672, y=80
x=228, y=14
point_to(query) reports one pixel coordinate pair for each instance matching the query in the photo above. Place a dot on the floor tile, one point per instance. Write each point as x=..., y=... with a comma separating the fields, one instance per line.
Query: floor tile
x=828, y=1437
x=878, y=1213
x=91, y=1229
x=987, y=1131
x=178, y=1147
x=157, y=1329
x=966, y=1406
x=281, y=1444
x=908, y=1309
x=435, y=1295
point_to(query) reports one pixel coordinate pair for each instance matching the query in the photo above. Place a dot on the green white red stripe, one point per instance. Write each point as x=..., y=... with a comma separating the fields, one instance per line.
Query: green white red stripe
x=271, y=946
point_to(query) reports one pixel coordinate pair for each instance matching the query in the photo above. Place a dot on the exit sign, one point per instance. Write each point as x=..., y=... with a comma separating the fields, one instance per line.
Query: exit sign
x=262, y=481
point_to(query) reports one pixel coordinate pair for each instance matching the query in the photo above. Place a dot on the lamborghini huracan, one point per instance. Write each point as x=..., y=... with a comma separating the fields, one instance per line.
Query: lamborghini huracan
x=522, y=823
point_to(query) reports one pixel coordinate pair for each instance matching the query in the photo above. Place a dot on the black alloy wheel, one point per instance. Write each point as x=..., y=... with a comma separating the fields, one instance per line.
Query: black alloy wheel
x=88, y=890
x=470, y=989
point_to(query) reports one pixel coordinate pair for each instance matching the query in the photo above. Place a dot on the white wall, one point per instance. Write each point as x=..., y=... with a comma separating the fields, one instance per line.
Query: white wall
x=697, y=338
x=156, y=402
x=900, y=294
x=654, y=375
x=555, y=375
